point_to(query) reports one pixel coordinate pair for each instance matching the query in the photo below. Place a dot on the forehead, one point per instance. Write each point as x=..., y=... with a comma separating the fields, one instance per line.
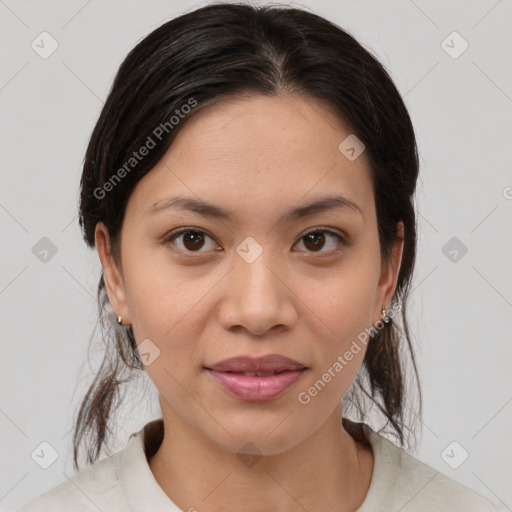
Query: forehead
x=258, y=129
x=258, y=151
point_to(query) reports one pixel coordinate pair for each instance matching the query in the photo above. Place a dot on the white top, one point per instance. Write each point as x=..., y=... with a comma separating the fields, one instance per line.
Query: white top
x=124, y=482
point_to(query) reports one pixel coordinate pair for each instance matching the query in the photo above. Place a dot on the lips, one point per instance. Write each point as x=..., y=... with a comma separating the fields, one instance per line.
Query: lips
x=256, y=379
x=256, y=374
x=257, y=366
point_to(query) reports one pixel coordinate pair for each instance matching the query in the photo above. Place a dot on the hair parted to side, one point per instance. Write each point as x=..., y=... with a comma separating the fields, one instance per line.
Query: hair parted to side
x=233, y=49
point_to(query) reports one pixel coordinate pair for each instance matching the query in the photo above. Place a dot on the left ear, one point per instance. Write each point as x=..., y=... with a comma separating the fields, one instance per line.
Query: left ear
x=389, y=273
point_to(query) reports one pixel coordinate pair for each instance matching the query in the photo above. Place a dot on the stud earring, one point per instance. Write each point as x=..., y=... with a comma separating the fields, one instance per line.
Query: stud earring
x=385, y=318
x=119, y=320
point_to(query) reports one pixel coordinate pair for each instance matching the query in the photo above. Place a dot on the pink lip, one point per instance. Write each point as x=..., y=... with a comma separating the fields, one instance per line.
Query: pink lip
x=254, y=388
x=267, y=363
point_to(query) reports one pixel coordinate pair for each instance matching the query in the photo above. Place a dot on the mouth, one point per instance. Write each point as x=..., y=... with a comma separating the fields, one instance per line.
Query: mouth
x=256, y=378
x=270, y=363
x=255, y=386
x=255, y=374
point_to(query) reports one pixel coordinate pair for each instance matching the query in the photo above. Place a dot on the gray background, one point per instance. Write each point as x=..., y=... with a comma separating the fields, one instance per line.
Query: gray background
x=461, y=311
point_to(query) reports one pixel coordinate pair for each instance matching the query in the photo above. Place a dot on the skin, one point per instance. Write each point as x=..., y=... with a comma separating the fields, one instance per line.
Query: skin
x=258, y=156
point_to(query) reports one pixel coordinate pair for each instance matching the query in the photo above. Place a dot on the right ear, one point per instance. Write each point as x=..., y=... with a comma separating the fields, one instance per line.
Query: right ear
x=111, y=274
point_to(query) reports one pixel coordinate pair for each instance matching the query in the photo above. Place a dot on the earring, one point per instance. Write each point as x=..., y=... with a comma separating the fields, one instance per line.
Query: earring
x=385, y=318
x=119, y=320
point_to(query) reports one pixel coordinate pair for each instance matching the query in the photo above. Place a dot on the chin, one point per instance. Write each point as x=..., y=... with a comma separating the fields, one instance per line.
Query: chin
x=265, y=438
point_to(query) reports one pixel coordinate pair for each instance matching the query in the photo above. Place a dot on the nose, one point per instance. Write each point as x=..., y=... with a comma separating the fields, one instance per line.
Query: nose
x=257, y=298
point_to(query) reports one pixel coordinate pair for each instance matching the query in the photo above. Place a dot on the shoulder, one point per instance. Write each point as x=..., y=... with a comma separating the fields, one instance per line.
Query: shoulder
x=97, y=487
x=402, y=482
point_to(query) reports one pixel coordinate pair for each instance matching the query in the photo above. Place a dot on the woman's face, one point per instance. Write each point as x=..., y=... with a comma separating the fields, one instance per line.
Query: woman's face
x=251, y=283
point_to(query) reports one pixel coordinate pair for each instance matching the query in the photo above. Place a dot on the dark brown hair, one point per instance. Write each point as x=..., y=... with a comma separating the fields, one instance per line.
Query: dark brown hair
x=231, y=49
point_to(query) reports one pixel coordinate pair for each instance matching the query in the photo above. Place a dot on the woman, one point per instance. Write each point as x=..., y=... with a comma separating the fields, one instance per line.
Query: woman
x=249, y=189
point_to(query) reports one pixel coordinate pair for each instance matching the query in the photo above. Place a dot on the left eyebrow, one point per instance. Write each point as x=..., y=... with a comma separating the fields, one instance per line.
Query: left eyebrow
x=214, y=211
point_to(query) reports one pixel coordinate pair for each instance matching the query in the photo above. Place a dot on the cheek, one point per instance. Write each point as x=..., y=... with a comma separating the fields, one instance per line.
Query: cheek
x=345, y=308
x=167, y=306
x=344, y=304
x=161, y=297
x=344, y=301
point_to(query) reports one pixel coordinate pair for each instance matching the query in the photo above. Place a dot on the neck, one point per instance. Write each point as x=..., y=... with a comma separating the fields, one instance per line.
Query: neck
x=328, y=470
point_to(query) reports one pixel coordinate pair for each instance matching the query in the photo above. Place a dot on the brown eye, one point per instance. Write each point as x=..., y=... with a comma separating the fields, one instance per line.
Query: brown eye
x=316, y=240
x=193, y=240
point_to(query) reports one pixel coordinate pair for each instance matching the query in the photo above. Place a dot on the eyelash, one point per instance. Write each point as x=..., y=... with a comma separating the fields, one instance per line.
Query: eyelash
x=341, y=239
